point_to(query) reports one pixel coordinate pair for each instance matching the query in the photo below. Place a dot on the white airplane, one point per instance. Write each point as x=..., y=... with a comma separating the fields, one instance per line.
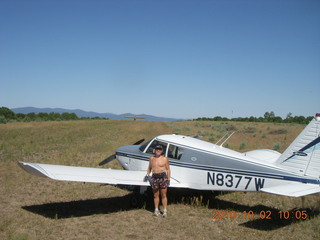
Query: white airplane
x=196, y=164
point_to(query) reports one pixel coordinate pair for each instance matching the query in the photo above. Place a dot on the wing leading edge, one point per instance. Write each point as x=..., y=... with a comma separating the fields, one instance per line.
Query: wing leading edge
x=93, y=175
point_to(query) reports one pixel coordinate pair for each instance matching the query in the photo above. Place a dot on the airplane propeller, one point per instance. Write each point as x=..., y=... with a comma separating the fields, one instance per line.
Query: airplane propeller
x=113, y=156
x=108, y=159
x=139, y=142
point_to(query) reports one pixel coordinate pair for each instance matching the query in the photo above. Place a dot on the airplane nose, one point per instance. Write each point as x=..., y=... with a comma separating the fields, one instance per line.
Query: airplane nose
x=125, y=155
x=122, y=156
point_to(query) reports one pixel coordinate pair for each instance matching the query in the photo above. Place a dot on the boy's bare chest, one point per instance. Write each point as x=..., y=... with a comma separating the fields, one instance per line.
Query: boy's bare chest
x=158, y=162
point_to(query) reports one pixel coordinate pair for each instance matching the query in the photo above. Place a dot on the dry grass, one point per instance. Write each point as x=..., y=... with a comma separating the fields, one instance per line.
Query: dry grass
x=39, y=208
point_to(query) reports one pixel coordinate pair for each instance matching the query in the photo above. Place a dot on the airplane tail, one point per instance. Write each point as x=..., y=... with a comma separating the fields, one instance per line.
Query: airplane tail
x=303, y=155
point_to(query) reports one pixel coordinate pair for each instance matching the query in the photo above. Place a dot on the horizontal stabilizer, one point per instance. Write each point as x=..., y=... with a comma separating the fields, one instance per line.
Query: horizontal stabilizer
x=93, y=175
x=293, y=189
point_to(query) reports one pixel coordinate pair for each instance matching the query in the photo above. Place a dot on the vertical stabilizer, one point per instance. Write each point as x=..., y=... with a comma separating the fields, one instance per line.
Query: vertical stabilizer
x=303, y=155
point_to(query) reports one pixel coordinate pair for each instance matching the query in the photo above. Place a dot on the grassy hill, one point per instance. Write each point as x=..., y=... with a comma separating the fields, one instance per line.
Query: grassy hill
x=39, y=208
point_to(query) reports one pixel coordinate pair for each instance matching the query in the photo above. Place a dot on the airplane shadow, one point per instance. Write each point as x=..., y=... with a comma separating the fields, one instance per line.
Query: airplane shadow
x=260, y=217
x=81, y=208
x=277, y=219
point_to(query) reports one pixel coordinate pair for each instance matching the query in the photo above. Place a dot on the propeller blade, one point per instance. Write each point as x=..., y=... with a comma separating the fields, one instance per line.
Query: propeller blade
x=138, y=143
x=108, y=159
x=113, y=156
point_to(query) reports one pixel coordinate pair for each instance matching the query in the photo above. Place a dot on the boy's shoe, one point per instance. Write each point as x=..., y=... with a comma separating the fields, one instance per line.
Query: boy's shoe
x=156, y=213
x=164, y=214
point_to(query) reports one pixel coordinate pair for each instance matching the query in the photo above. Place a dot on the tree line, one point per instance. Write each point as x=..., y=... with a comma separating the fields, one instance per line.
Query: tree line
x=7, y=115
x=267, y=117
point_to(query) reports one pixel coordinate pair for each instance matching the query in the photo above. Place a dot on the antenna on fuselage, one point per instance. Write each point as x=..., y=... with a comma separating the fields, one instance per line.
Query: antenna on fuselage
x=224, y=136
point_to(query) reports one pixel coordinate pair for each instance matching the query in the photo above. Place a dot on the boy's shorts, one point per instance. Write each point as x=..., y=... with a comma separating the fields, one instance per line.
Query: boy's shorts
x=159, y=180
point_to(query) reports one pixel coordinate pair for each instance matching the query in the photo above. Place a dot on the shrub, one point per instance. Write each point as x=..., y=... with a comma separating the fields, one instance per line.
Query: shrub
x=212, y=139
x=243, y=145
x=279, y=131
x=277, y=146
x=27, y=119
x=218, y=128
x=3, y=120
x=250, y=129
x=228, y=145
x=187, y=128
x=230, y=127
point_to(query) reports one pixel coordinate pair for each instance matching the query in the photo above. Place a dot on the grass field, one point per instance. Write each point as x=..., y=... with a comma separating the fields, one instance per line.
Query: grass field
x=39, y=208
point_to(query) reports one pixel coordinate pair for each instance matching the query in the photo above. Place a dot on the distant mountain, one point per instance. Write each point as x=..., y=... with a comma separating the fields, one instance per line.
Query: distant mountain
x=81, y=113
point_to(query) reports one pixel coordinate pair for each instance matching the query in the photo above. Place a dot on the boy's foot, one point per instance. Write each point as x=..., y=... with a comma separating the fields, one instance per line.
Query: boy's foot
x=156, y=213
x=164, y=214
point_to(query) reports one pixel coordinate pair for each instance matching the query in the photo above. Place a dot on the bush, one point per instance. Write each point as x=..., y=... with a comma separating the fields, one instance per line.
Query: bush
x=250, y=129
x=27, y=119
x=230, y=127
x=7, y=113
x=279, y=131
x=187, y=128
x=277, y=146
x=243, y=145
x=3, y=120
x=212, y=139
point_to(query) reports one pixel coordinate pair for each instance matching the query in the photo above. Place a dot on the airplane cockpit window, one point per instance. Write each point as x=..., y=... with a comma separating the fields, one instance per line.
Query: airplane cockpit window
x=143, y=147
x=153, y=146
x=175, y=152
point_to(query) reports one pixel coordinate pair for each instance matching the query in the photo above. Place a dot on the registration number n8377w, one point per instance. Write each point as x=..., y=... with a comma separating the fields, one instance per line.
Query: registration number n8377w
x=234, y=181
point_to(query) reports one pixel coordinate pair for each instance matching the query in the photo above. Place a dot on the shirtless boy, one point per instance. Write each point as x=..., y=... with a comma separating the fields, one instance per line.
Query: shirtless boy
x=160, y=168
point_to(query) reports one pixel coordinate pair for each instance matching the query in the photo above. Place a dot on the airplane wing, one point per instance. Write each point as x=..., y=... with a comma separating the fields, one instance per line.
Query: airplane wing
x=293, y=189
x=93, y=175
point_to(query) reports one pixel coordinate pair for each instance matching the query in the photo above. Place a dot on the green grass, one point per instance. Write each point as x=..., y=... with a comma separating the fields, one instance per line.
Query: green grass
x=37, y=208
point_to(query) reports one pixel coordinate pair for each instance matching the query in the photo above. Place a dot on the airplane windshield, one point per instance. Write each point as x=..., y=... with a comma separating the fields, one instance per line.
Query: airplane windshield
x=143, y=147
x=153, y=146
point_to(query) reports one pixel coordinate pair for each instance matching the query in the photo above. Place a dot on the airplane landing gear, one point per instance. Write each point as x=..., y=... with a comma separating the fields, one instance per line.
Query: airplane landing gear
x=138, y=198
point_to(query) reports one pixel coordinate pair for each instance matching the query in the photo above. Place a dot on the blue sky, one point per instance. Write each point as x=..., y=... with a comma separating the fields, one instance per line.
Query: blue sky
x=181, y=59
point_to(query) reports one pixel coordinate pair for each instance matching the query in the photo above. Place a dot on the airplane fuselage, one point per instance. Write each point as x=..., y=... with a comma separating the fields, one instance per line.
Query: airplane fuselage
x=205, y=166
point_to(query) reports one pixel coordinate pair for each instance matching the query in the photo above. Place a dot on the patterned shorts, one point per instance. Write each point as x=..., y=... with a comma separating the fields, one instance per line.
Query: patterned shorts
x=159, y=180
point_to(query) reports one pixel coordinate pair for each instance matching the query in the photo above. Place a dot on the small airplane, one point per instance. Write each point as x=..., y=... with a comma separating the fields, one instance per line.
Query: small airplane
x=135, y=117
x=200, y=165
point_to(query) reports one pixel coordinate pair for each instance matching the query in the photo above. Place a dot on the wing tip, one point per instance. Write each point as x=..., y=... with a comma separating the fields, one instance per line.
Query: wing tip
x=33, y=169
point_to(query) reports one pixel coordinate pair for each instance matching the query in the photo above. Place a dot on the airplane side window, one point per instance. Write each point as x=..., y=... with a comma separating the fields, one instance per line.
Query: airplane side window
x=175, y=152
x=153, y=145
